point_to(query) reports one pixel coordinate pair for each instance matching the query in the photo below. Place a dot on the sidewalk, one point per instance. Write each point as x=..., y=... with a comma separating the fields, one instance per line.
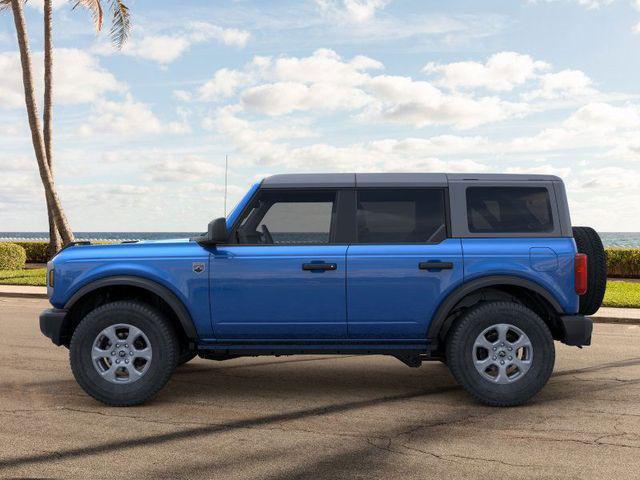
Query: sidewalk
x=604, y=315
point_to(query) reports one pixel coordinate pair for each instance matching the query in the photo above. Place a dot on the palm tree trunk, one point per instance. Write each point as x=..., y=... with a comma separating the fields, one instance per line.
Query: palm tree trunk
x=34, y=123
x=55, y=242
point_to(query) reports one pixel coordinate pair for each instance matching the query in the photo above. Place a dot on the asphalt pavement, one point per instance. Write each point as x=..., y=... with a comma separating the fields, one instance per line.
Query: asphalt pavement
x=317, y=417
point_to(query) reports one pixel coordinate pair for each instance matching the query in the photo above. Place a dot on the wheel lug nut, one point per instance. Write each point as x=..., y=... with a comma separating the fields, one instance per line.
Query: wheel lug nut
x=113, y=353
x=510, y=348
x=510, y=358
x=131, y=353
x=494, y=357
x=117, y=361
x=494, y=349
x=502, y=344
x=126, y=361
x=501, y=362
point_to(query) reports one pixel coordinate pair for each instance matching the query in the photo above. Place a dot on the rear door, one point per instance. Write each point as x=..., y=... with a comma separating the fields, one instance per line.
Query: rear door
x=285, y=276
x=402, y=263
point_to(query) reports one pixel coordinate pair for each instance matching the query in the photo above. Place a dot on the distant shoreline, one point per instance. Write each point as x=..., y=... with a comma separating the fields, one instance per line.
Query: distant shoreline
x=610, y=239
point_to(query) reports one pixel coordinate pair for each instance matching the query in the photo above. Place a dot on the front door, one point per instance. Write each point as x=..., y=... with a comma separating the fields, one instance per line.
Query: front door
x=282, y=276
x=401, y=265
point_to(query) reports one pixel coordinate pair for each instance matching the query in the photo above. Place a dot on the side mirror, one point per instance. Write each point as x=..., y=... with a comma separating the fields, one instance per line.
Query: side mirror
x=216, y=232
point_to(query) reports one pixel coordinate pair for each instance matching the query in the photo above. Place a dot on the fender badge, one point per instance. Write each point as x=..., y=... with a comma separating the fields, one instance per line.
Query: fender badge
x=198, y=267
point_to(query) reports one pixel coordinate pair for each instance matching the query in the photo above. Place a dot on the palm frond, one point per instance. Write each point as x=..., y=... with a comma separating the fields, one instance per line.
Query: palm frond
x=120, y=23
x=5, y=5
x=95, y=7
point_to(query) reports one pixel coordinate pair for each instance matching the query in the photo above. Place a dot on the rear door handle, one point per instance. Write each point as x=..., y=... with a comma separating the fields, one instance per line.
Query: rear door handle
x=435, y=265
x=319, y=266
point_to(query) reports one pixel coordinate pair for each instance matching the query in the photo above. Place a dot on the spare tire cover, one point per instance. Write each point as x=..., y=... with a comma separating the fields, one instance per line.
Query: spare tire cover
x=588, y=242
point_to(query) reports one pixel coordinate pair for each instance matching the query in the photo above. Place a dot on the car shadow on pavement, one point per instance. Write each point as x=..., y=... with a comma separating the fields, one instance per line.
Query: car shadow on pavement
x=323, y=379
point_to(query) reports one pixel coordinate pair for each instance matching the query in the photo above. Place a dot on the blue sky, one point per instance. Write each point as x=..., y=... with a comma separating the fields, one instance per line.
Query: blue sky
x=548, y=86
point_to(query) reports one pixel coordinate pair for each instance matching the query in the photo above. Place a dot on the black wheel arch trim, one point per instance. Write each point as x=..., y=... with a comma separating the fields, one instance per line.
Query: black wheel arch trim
x=442, y=312
x=178, y=307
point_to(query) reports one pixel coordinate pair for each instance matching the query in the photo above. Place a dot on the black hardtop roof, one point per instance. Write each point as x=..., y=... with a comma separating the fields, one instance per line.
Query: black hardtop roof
x=345, y=180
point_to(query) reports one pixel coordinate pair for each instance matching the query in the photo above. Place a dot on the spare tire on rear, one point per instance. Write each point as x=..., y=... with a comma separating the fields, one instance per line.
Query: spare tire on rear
x=588, y=242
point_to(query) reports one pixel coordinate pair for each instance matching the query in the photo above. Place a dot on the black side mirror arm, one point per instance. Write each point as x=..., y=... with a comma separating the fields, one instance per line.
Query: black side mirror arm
x=216, y=233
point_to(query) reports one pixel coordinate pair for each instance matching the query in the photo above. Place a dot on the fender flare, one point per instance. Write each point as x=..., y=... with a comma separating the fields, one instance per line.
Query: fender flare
x=178, y=307
x=440, y=317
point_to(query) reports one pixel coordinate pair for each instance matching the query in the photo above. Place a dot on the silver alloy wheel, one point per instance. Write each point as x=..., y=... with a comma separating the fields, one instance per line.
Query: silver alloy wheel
x=502, y=353
x=121, y=353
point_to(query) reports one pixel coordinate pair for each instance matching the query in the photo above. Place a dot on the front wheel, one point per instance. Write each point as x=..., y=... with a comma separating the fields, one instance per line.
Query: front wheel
x=501, y=352
x=123, y=353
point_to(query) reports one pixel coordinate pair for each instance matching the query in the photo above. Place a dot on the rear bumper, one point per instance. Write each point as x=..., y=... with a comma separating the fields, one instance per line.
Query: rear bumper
x=52, y=324
x=577, y=330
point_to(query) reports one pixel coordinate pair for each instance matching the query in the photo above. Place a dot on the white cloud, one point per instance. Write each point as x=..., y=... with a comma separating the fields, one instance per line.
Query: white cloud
x=352, y=10
x=182, y=95
x=501, y=72
x=564, y=84
x=286, y=97
x=128, y=118
x=418, y=103
x=224, y=84
x=589, y=4
x=165, y=48
x=326, y=82
x=188, y=169
x=79, y=78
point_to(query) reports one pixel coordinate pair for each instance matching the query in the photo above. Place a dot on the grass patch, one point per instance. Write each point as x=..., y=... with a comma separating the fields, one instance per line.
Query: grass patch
x=622, y=294
x=31, y=276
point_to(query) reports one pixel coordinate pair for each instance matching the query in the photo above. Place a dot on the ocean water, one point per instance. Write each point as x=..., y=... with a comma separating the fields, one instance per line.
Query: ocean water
x=610, y=239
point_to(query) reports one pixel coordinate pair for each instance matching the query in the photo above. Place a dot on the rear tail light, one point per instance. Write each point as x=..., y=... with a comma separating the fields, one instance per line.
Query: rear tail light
x=581, y=273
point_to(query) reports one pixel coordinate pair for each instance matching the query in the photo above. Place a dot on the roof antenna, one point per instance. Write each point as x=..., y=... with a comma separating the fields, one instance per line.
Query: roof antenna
x=226, y=170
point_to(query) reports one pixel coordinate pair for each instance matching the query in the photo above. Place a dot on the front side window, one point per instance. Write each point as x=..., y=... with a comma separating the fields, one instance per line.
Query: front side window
x=509, y=210
x=401, y=216
x=286, y=217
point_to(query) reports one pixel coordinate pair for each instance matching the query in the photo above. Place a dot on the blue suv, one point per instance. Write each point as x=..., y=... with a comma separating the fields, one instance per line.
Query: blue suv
x=482, y=272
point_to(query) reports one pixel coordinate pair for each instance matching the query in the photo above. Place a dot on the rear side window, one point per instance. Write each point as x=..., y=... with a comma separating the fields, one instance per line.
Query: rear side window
x=401, y=216
x=509, y=210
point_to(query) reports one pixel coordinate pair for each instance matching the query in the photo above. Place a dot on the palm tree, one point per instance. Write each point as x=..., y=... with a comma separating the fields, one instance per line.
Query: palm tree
x=55, y=242
x=37, y=136
x=120, y=18
x=42, y=139
x=119, y=33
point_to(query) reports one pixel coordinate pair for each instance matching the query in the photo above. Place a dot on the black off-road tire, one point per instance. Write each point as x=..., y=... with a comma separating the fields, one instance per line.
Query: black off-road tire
x=186, y=356
x=164, y=350
x=460, y=350
x=588, y=242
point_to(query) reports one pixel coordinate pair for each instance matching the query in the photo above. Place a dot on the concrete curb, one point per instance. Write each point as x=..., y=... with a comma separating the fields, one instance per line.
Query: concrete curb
x=22, y=295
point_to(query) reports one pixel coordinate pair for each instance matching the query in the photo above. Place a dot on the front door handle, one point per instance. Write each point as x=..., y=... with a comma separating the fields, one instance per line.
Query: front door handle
x=435, y=265
x=319, y=266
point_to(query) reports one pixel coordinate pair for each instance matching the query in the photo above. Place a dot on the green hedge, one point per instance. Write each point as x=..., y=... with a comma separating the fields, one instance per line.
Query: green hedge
x=623, y=262
x=12, y=256
x=36, y=251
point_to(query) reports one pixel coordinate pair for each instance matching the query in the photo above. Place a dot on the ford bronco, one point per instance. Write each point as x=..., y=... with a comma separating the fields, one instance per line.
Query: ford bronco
x=482, y=272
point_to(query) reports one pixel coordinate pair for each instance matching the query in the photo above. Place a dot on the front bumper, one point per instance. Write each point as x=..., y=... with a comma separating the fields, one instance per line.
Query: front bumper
x=577, y=330
x=52, y=322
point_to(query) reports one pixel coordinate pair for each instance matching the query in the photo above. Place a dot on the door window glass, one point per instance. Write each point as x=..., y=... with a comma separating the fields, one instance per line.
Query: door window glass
x=285, y=217
x=401, y=216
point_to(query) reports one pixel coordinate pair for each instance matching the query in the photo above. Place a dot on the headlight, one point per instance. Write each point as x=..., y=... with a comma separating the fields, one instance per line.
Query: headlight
x=51, y=277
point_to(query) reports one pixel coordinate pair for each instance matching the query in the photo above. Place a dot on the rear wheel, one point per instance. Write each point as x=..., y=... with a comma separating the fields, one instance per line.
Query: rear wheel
x=588, y=242
x=123, y=353
x=501, y=352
